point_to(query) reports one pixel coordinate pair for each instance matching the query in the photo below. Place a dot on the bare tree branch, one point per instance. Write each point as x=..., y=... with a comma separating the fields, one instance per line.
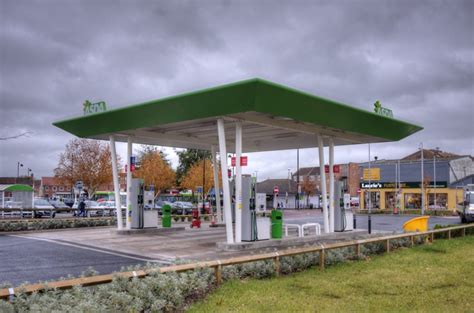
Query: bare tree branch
x=16, y=136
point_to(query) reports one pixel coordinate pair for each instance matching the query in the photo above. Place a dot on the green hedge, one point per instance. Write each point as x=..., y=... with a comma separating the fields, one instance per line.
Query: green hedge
x=38, y=224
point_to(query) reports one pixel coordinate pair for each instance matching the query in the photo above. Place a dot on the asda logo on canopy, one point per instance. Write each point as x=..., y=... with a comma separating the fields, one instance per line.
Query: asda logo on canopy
x=91, y=108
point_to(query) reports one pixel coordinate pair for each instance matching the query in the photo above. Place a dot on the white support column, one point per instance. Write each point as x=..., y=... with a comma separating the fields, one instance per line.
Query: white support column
x=217, y=189
x=118, y=207
x=331, y=185
x=238, y=183
x=323, y=183
x=225, y=181
x=128, y=218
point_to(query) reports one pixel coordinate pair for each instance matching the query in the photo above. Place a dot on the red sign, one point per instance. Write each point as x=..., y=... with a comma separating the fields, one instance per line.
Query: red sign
x=132, y=168
x=243, y=161
x=335, y=169
x=276, y=190
x=229, y=173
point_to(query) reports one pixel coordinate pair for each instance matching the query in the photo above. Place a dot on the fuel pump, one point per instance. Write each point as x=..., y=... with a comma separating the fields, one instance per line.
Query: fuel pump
x=136, y=202
x=253, y=228
x=343, y=216
x=141, y=201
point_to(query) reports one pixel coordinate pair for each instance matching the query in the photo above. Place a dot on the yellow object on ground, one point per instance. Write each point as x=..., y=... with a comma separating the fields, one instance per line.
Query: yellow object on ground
x=416, y=224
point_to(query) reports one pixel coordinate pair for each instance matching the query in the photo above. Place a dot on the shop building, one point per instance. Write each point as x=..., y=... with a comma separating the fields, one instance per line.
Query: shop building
x=398, y=183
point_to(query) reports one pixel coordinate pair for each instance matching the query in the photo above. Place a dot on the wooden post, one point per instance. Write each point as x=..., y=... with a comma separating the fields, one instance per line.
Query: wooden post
x=321, y=259
x=387, y=245
x=431, y=237
x=276, y=261
x=218, y=274
x=357, y=250
x=463, y=232
x=449, y=234
x=412, y=240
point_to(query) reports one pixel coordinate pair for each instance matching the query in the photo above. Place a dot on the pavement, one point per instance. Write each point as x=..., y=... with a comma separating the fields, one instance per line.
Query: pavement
x=49, y=255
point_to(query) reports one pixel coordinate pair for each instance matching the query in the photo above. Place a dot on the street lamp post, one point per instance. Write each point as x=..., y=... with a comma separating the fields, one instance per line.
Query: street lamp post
x=369, y=218
x=422, y=182
x=18, y=165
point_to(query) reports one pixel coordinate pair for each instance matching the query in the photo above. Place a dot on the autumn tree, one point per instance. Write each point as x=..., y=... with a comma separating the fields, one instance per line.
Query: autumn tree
x=89, y=161
x=308, y=187
x=155, y=169
x=187, y=158
x=195, y=174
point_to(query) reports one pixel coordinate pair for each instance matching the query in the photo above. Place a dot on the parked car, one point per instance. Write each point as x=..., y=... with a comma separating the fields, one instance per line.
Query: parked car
x=58, y=204
x=184, y=208
x=43, y=204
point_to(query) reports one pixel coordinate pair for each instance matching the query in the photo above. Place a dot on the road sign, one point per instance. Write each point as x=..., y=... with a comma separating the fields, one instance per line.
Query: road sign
x=276, y=190
x=79, y=184
x=199, y=189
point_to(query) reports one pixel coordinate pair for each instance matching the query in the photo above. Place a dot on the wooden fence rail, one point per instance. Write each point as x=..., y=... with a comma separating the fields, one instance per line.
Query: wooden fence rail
x=218, y=264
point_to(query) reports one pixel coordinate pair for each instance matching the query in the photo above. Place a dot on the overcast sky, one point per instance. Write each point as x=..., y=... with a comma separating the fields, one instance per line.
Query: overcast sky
x=416, y=57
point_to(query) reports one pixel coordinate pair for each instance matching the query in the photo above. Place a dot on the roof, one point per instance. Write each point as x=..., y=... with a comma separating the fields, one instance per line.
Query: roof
x=16, y=187
x=284, y=186
x=274, y=117
x=463, y=182
x=430, y=153
x=49, y=181
x=306, y=171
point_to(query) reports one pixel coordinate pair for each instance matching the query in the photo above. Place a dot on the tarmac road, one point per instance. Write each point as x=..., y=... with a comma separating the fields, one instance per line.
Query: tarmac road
x=382, y=222
x=23, y=258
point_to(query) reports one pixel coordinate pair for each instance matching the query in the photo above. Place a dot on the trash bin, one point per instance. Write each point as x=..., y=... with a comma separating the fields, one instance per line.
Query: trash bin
x=277, y=224
x=166, y=217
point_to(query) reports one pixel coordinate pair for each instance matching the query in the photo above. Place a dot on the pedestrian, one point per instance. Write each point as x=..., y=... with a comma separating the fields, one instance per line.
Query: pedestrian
x=82, y=208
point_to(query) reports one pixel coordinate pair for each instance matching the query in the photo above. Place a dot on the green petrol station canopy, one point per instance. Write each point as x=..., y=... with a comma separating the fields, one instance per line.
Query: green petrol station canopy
x=273, y=117
x=15, y=187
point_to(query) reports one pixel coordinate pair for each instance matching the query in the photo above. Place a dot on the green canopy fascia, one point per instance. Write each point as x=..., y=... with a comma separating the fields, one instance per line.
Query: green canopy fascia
x=254, y=95
x=16, y=187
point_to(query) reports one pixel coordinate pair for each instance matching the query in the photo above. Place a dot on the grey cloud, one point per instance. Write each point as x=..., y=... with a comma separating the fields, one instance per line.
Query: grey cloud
x=414, y=56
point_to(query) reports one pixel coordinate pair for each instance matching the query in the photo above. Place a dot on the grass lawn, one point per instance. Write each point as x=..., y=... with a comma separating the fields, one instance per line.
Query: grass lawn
x=434, y=278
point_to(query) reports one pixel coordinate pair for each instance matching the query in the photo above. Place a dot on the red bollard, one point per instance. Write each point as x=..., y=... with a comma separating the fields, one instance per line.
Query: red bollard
x=196, y=219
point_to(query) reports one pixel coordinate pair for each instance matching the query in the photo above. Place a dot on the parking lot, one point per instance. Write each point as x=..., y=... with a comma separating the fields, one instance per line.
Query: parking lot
x=47, y=255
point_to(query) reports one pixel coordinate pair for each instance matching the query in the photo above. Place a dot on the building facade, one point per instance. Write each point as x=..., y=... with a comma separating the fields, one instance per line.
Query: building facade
x=347, y=174
x=397, y=184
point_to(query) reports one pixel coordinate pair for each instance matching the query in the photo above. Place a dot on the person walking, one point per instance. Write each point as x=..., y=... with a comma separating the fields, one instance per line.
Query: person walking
x=82, y=208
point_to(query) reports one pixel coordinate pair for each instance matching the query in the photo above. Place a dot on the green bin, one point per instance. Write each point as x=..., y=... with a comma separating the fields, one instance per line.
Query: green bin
x=166, y=217
x=277, y=224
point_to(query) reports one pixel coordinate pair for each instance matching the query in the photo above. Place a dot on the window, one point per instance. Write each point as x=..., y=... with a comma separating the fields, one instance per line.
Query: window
x=412, y=201
x=61, y=188
x=441, y=201
x=46, y=188
x=375, y=199
x=55, y=188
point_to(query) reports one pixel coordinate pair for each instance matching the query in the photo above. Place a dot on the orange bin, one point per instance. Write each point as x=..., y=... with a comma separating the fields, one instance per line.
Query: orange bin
x=416, y=224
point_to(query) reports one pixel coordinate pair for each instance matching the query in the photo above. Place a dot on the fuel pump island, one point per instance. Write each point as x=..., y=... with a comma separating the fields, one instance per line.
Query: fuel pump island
x=247, y=116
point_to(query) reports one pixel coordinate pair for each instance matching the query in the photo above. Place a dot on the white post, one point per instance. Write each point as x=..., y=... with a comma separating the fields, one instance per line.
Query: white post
x=118, y=207
x=331, y=185
x=434, y=178
x=216, y=184
x=3, y=199
x=323, y=183
x=238, y=182
x=225, y=181
x=128, y=218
